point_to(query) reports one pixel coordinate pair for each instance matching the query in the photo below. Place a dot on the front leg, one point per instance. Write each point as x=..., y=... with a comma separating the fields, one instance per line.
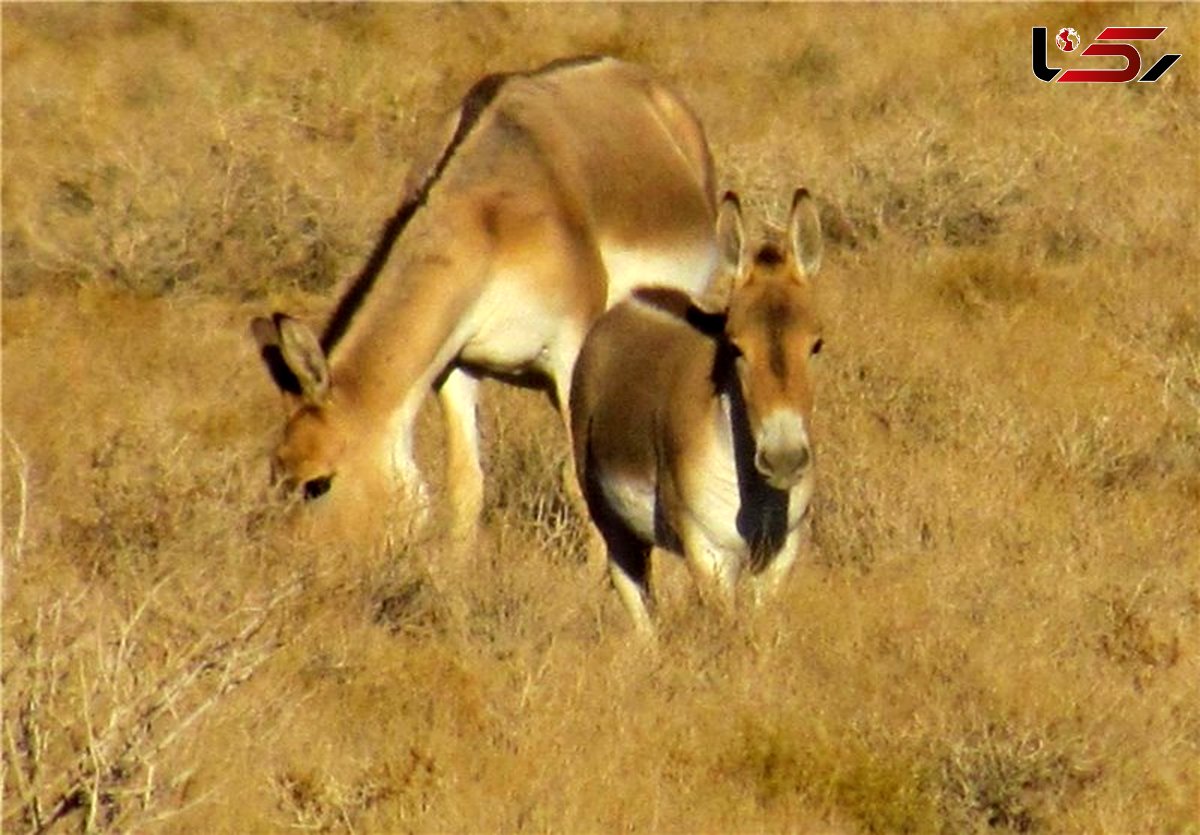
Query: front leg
x=769, y=581
x=715, y=569
x=410, y=511
x=458, y=395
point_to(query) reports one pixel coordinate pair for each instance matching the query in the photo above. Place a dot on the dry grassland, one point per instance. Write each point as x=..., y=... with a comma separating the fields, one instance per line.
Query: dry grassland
x=996, y=625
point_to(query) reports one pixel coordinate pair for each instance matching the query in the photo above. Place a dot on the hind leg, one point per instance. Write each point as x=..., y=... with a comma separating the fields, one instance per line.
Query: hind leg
x=629, y=568
x=563, y=365
x=595, y=546
x=628, y=559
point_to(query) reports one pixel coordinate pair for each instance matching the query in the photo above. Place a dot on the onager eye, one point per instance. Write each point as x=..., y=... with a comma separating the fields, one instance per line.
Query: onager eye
x=817, y=346
x=315, y=488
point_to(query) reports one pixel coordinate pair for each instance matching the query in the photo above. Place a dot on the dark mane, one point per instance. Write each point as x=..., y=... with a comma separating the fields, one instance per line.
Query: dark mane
x=667, y=299
x=769, y=255
x=680, y=305
x=477, y=100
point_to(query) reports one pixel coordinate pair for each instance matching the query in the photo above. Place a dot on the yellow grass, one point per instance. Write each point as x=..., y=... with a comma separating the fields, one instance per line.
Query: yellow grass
x=996, y=625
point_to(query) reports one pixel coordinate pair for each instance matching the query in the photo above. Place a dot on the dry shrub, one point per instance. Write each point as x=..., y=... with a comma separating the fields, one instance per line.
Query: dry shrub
x=101, y=707
x=122, y=639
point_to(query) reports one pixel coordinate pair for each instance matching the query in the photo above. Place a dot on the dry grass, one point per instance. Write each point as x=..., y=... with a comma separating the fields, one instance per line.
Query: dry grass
x=998, y=623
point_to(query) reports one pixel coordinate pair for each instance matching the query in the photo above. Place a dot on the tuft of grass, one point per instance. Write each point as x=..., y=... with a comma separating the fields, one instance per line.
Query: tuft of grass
x=1008, y=782
x=881, y=791
x=975, y=281
x=1138, y=634
x=815, y=64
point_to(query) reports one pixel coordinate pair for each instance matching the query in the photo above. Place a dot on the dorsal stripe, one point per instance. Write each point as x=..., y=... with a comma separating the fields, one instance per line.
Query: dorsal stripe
x=481, y=94
x=476, y=101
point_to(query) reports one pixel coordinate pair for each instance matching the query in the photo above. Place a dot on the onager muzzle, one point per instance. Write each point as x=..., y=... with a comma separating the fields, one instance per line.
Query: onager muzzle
x=783, y=452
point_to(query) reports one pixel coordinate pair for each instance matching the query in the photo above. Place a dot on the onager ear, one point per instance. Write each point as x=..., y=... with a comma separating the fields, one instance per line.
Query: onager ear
x=731, y=255
x=804, y=233
x=266, y=336
x=293, y=356
x=302, y=352
x=730, y=235
x=264, y=332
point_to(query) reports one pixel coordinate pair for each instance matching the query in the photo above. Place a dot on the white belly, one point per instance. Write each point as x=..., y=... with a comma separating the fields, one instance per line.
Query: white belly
x=508, y=330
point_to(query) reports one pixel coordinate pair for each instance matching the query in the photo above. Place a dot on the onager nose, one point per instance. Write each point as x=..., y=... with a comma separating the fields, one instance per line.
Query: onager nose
x=783, y=467
x=784, y=453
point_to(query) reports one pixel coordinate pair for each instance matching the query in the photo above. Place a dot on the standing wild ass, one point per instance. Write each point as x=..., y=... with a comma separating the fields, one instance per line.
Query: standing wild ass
x=547, y=196
x=691, y=427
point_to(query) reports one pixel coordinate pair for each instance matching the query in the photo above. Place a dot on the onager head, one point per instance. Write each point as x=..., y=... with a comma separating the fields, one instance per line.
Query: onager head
x=771, y=331
x=326, y=457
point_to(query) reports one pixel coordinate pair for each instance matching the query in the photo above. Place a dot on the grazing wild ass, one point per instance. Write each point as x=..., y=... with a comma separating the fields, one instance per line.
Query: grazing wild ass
x=547, y=196
x=691, y=427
